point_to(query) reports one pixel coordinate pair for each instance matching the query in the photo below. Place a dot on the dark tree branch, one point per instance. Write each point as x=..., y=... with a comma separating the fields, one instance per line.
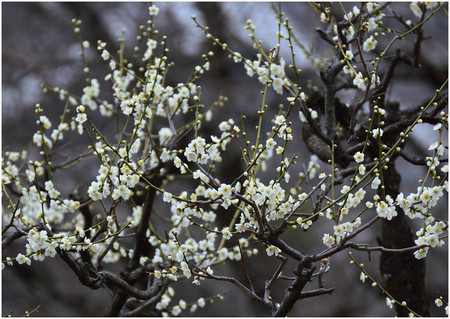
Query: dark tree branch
x=325, y=36
x=411, y=159
x=288, y=250
x=235, y=282
x=316, y=292
x=342, y=245
x=85, y=272
x=303, y=274
x=147, y=304
x=361, y=247
x=72, y=160
x=396, y=128
x=105, y=251
x=10, y=238
x=11, y=220
x=364, y=16
x=245, y=269
x=141, y=244
x=269, y=283
x=403, y=274
x=328, y=77
x=417, y=45
x=112, y=279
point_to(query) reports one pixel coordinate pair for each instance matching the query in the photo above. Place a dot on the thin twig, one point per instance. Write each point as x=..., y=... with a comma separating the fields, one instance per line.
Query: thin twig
x=234, y=281
x=72, y=160
x=275, y=276
x=361, y=247
x=245, y=269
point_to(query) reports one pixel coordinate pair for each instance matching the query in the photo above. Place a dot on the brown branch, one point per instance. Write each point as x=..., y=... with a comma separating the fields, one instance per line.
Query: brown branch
x=72, y=160
x=245, y=269
x=405, y=122
x=288, y=250
x=316, y=292
x=85, y=272
x=325, y=36
x=341, y=246
x=141, y=247
x=361, y=247
x=412, y=159
x=141, y=242
x=328, y=77
x=112, y=279
x=11, y=220
x=285, y=221
x=153, y=300
x=8, y=240
x=235, y=282
x=363, y=17
x=314, y=127
x=108, y=248
x=303, y=275
x=418, y=42
x=269, y=283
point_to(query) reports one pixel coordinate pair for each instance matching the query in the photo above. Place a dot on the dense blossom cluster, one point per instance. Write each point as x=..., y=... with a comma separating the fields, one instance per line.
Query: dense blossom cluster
x=149, y=145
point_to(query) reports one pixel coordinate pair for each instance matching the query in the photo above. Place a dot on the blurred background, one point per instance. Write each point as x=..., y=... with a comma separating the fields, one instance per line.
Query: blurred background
x=39, y=46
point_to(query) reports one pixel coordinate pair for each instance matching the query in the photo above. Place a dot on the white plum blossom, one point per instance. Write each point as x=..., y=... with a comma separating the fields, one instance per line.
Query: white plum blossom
x=196, y=151
x=359, y=157
x=153, y=10
x=151, y=45
x=226, y=233
x=371, y=24
x=390, y=302
x=273, y=251
x=22, y=259
x=414, y=6
x=328, y=240
x=385, y=210
x=370, y=44
x=359, y=81
x=121, y=191
x=377, y=132
x=324, y=18
x=165, y=134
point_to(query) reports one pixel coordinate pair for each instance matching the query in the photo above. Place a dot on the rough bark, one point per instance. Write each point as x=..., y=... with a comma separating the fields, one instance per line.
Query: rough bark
x=403, y=274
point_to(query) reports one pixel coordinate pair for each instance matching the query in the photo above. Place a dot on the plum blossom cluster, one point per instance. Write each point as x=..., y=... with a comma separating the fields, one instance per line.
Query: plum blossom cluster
x=358, y=49
x=418, y=8
x=351, y=44
x=273, y=72
x=178, y=233
x=35, y=203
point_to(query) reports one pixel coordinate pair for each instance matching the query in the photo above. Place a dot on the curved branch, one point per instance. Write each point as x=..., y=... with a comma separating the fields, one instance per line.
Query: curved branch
x=342, y=245
x=234, y=281
x=113, y=279
x=405, y=122
x=288, y=250
x=8, y=240
x=138, y=310
x=411, y=159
